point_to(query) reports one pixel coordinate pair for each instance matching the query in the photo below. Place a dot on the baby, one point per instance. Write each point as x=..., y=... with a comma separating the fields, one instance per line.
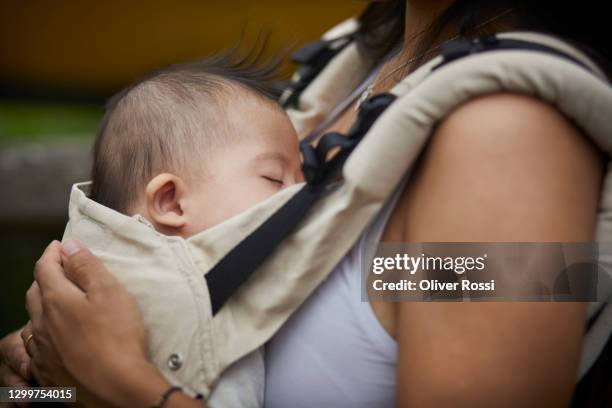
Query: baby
x=177, y=153
x=193, y=145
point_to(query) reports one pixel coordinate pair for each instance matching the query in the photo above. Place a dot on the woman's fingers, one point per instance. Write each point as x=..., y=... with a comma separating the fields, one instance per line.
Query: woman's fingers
x=9, y=378
x=81, y=312
x=31, y=348
x=34, y=302
x=45, y=363
x=84, y=269
x=25, y=337
x=15, y=364
x=13, y=358
x=49, y=272
x=51, y=255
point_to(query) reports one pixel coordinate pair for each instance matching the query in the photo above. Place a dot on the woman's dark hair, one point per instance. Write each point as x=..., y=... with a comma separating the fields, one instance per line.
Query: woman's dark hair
x=582, y=23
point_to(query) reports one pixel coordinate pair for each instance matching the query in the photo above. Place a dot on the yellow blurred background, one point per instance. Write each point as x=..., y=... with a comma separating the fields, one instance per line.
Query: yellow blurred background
x=93, y=47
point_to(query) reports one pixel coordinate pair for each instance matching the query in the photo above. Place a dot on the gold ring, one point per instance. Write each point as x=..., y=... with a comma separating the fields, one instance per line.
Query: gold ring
x=27, y=342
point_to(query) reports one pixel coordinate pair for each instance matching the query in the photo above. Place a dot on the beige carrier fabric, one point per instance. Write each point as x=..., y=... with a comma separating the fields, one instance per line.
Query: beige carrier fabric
x=345, y=72
x=168, y=287
x=155, y=269
x=375, y=168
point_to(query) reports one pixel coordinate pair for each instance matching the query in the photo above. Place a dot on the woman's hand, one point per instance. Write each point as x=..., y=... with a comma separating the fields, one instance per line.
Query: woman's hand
x=14, y=362
x=48, y=371
x=84, y=319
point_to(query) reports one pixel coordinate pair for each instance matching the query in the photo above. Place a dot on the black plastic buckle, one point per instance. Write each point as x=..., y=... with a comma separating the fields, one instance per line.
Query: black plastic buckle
x=452, y=50
x=371, y=108
x=459, y=48
x=316, y=164
x=310, y=52
x=311, y=166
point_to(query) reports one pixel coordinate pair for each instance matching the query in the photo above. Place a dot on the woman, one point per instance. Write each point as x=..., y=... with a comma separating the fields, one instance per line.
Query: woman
x=482, y=157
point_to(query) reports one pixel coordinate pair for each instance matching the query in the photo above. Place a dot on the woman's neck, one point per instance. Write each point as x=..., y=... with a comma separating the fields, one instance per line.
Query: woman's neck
x=420, y=14
x=420, y=19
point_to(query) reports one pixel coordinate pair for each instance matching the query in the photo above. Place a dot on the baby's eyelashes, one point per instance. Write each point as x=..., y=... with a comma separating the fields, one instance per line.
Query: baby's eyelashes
x=274, y=180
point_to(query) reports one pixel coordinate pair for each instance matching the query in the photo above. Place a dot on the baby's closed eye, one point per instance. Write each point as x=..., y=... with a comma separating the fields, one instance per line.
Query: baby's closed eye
x=274, y=179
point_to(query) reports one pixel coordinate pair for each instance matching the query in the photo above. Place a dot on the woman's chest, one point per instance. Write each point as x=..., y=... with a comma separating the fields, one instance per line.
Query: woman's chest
x=385, y=312
x=332, y=351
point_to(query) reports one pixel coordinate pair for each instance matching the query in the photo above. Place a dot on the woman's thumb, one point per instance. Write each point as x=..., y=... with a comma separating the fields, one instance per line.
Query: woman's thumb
x=82, y=267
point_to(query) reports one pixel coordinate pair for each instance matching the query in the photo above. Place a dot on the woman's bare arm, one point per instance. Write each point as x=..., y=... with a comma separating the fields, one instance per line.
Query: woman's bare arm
x=502, y=168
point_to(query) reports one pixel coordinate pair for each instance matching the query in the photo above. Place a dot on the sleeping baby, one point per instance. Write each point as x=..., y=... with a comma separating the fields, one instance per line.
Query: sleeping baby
x=177, y=153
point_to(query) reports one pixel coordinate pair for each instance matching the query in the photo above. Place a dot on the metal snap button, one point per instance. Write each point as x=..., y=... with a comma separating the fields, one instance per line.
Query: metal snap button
x=175, y=361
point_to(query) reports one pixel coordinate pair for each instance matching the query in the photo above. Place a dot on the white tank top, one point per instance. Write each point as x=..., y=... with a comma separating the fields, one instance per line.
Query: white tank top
x=333, y=351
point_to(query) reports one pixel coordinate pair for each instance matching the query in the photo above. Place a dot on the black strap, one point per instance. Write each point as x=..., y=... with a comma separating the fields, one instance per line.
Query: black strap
x=312, y=57
x=236, y=267
x=461, y=48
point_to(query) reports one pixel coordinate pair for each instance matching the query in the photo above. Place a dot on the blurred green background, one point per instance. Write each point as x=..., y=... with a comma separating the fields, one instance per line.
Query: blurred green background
x=59, y=62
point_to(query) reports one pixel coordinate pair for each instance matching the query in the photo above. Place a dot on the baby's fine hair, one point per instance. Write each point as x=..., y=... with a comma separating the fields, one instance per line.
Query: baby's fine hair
x=170, y=121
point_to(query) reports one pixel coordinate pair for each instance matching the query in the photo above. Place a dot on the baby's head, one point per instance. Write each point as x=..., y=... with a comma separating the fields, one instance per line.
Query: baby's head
x=193, y=145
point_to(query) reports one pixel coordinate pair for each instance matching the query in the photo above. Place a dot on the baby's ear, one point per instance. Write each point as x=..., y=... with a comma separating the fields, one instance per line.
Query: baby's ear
x=164, y=197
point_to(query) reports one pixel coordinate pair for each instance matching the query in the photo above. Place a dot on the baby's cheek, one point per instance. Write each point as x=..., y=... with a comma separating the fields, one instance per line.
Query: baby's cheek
x=263, y=189
x=254, y=192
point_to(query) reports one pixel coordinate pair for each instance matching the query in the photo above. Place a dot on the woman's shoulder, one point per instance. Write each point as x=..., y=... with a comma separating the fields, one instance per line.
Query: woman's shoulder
x=506, y=121
x=514, y=158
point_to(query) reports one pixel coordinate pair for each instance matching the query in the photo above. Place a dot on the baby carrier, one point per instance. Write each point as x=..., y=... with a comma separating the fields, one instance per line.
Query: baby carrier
x=258, y=267
x=268, y=260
